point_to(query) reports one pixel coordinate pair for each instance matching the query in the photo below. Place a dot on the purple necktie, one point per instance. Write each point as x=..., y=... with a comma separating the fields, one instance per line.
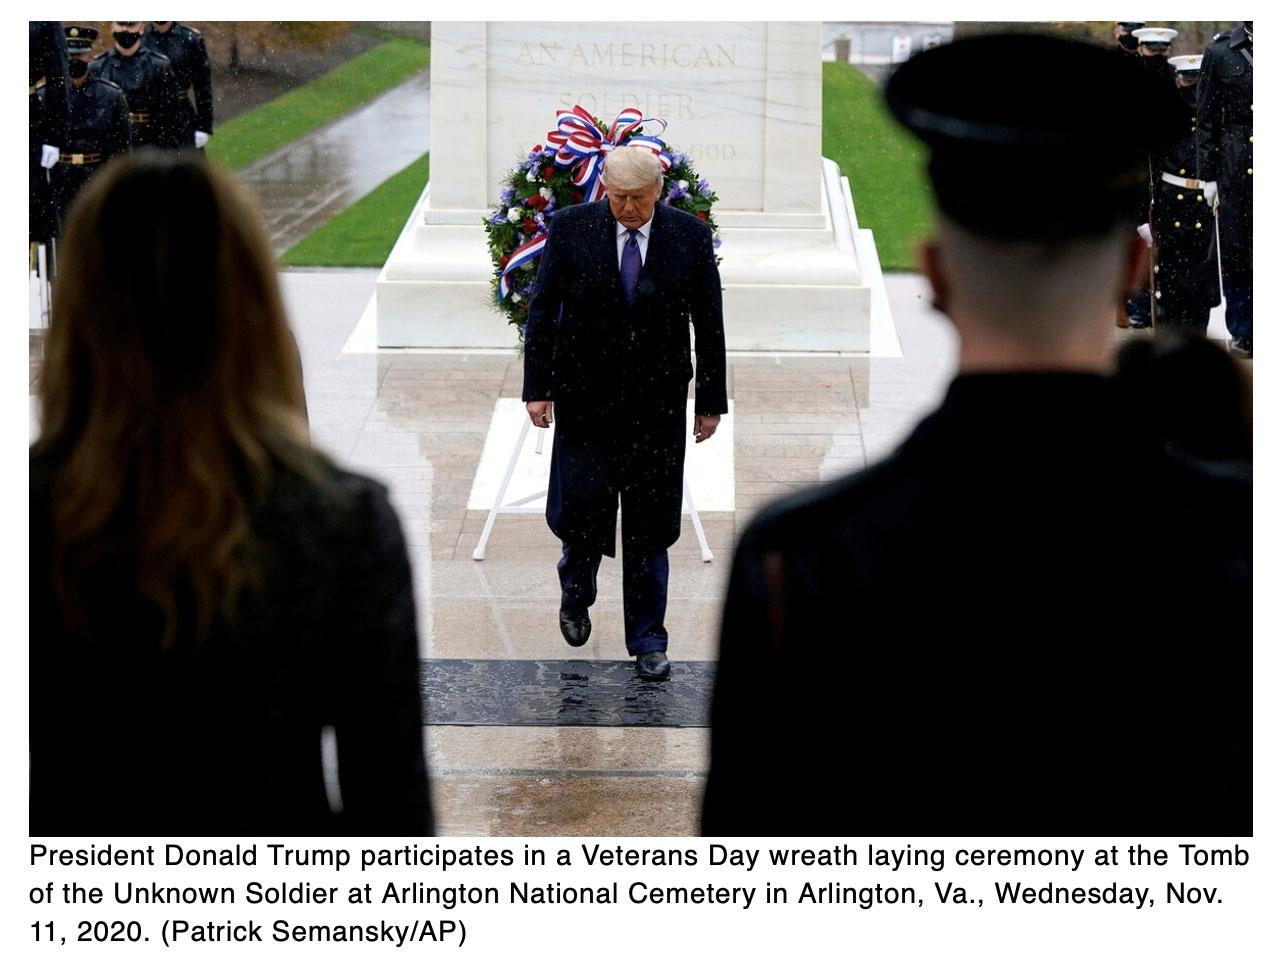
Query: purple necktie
x=630, y=265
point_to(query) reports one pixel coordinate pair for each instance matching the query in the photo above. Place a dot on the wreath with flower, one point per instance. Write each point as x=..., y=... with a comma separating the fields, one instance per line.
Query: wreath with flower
x=567, y=170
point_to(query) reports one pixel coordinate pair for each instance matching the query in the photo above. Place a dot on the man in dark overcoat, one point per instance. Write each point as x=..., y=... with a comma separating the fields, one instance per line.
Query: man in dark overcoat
x=1226, y=162
x=957, y=665
x=621, y=284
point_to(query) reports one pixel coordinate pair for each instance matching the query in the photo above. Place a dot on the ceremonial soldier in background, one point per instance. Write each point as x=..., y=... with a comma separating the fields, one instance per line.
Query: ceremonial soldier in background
x=46, y=122
x=97, y=124
x=185, y=49
x=156, y=117
x=1124, y=34
x=1153, y=45
x=1225, y=113
x=1184, y=255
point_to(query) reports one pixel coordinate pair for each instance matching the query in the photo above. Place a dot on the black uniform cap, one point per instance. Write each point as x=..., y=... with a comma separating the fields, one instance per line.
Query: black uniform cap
x=80, y=39
x=1035, y=137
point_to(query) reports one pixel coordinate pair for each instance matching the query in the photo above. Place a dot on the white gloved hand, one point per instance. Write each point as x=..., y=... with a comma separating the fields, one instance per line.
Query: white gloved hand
x=48, y=156
x=201, y=139
x=1144, y=232
x=1210, y=194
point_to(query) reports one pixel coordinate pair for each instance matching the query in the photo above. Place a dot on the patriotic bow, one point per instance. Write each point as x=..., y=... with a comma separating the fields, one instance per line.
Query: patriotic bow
x=582, y=144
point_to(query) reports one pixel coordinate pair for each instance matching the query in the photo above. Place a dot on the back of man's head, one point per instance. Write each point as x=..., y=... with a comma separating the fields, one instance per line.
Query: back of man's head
x=1037, y=159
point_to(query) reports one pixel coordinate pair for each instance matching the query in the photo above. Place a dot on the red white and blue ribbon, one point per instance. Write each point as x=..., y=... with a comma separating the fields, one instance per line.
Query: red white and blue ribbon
x=581, y=144
x=524, y=254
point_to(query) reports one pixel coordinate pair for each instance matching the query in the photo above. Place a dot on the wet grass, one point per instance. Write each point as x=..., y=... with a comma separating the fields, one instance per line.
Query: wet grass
x=363, y=234
x=264, y=129
x=882, y=162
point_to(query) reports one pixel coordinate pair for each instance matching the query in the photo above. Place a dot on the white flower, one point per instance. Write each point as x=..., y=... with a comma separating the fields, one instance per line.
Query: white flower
x=532, y=175
x=517, y=298
x=546, y=192
x=515, y=214
x=682, y=184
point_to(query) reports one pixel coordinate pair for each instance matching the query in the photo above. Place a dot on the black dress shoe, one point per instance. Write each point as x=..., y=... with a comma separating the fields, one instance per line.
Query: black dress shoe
x=1242, y=346
x=654, y=666
x=575, y=627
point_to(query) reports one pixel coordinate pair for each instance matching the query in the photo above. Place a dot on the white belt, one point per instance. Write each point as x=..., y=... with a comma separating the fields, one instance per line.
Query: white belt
x=1173, y=180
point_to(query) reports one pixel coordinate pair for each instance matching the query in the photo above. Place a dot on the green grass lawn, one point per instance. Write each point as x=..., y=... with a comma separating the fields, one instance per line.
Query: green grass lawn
x=882, y=161
x=363, y=234
x=263, y=129
x=884, y=164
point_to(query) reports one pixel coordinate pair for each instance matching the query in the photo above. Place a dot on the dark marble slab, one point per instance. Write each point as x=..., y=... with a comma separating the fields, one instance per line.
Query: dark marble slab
x=466, y=692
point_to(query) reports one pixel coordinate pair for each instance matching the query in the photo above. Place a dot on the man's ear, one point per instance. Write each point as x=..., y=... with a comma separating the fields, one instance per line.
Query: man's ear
x=931, y=266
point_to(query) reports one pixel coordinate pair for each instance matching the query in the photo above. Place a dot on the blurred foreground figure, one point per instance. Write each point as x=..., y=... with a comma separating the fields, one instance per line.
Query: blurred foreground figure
x=208, y=593
x=955, y=663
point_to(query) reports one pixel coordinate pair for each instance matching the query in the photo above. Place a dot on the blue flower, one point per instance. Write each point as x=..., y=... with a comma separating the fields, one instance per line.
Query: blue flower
x=702, y=187
x=499, y=218
x=506, y=196
x=717, y=242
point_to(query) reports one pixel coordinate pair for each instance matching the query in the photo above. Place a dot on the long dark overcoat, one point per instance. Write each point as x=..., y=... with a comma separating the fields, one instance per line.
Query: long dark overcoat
x=618, y=373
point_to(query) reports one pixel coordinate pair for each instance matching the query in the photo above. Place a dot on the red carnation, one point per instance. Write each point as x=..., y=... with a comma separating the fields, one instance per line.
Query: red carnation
x=546, y=172
x=529, y=226
x=702, y=216
x=537, y=202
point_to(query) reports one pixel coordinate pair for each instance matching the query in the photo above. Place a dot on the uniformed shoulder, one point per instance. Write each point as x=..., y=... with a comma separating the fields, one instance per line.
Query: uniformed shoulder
x=191, y=33
x=107, y=84
x=816, y=511
x=101, y=55
x=154, y=54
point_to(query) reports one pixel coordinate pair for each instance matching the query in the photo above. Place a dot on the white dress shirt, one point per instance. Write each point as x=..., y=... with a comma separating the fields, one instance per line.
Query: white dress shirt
x=622, y=237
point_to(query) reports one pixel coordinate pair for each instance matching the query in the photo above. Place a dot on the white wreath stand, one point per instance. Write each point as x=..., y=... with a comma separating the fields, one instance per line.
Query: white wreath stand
x=520, y=506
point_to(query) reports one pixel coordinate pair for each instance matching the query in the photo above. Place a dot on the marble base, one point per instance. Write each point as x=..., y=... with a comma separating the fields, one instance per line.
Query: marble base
x=788, y=286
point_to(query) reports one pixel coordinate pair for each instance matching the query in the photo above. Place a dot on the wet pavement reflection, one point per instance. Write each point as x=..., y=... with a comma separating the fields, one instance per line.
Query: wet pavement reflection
x=563, y=692
x=319, y=175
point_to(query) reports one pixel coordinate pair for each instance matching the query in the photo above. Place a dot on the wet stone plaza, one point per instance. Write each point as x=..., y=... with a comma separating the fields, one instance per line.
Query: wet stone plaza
x=524, y=734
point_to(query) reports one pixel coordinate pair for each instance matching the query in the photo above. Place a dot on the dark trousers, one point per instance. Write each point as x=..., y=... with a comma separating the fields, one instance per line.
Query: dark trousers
x=646, y=591
x=1138, y=305
x=1238, y=288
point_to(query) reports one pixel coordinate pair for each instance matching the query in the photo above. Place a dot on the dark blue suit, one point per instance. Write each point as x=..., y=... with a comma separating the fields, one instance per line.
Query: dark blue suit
x=617, y=372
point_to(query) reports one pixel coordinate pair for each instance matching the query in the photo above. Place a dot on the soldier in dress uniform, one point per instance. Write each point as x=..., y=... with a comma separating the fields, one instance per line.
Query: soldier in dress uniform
x=1124, y=34
x=1225, y=113
x=1180, y=227
x=185, y=49
x=46, y=122
x=1153, y=45
x=97, y=125
x=156, y=117
x=943, y=609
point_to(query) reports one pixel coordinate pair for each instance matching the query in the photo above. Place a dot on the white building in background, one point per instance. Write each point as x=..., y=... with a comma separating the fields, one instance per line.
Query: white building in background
x=870, y=42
